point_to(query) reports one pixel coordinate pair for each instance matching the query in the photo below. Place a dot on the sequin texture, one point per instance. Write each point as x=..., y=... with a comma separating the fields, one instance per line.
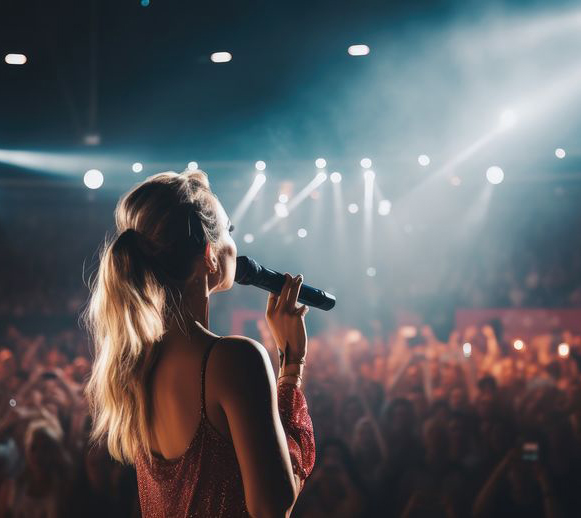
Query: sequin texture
x=205, y=481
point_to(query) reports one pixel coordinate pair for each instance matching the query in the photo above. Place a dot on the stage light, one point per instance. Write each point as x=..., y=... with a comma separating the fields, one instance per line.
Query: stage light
x=193, y=166
x=366, y=163
x=495, y=175
x=260, y=178
x=320, y=178
x=467, y=349
x=560, y=153
x=137, y=167
x=93, y=178
x=518, y=345
x=563, y=350
x=320, y=163
x=302, y=232
x=282, y=198
x=260, y=165
x=92, y=139
x=358, y=50
x=369, y=175
x=336, y=177
x=371, y=271
x=455, y=181
x=507, y=119
x=12, y=403
x=248, y=238
x=281, y=210
x=424, y=160
x=353, y=208
x=15, y=59
x=145, y=3
x=221, y=57
x=384, y=207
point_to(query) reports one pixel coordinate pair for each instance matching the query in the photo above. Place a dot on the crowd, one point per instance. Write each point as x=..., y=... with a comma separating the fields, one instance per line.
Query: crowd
x=405, y=426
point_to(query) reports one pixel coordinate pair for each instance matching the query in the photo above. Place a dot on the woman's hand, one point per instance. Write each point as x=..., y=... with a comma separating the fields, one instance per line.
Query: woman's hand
x=285, y=319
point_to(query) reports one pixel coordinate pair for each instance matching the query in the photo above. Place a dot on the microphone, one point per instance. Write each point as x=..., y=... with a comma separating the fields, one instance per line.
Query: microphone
x=248, y=271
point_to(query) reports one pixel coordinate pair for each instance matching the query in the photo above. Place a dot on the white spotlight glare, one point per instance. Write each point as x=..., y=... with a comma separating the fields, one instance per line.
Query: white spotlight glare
x=467, y=349
x=495, y=175
x=93, y=178
x=283, y=198
x=518, y=345
x=353, y=208
x=193, y=166
x=336, y=177
x=358, y=50
x=281, y=210
x=15, y=59
x=424, y=160
x=563, y=350
x=260, y=178
x=137, y=167
x=321, y=177
x=507, y=119
x=248, y=238
x=371, y=271
x=384, y=207
x=302, y=232
x=221, y=57
x=560, y=153
x=369, y=175
x=366, y=163
x=320, y=163
x=260, y=165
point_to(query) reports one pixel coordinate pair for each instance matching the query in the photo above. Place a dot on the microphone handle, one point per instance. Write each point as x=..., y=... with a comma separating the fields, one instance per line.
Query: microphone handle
x=273, y=281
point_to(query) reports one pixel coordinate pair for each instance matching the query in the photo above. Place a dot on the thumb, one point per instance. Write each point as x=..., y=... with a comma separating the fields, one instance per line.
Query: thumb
x=304, y=310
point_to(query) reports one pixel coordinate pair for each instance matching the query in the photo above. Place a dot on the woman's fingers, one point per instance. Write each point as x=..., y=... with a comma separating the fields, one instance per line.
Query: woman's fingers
x=293, y=293
x=283, y=297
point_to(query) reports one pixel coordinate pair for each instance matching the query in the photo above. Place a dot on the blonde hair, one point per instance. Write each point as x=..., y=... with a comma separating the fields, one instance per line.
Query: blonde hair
x=162, y=225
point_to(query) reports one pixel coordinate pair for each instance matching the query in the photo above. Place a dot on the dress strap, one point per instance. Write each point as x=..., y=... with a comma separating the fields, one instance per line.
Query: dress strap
x=204, y=363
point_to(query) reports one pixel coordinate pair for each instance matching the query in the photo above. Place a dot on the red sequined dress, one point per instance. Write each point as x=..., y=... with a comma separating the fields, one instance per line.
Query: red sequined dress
x=205, y=481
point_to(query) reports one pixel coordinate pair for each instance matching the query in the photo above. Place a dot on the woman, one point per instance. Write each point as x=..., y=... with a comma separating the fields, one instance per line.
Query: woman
x=198, y=414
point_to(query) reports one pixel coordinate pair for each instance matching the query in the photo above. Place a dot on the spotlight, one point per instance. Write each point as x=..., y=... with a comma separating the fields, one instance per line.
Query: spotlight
x=353, y=208
x=320, y=163
x=144, y=3
x=137, y=167
x=221, y=57
x=384, y=207
x=15, y=59
x=365, y=163
x=507, y=119
x=336, y=177
x=320, y=178
x=248, y=238
x=467, y=349
x=369, y=175
x=193, y=166
x=260, y=165
x=371, y=271
x=563, y=350
x=93, y=178
x=282, y=198
x=12, y=403
x=358, y=50
x=495, y=175
x=281, y=210
x=560, y=152
x=518, y=345
x=424, y=160
x=259, y=179
x=302, y=232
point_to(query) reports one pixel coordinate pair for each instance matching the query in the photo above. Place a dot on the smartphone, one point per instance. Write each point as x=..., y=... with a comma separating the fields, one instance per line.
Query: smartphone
x=530, y=451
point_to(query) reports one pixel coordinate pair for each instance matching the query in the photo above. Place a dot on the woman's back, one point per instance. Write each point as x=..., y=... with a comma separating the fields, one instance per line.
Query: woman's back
x=204, y=479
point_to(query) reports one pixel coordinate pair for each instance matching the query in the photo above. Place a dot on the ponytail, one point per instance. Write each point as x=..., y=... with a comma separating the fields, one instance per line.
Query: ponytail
x=126, y=318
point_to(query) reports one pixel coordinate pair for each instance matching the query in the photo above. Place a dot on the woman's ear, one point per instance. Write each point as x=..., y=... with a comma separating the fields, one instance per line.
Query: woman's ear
x=210, y=259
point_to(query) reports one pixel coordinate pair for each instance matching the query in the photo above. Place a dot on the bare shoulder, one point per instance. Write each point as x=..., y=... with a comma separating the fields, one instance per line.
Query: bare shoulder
x=240, y=351
x=239, y=362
